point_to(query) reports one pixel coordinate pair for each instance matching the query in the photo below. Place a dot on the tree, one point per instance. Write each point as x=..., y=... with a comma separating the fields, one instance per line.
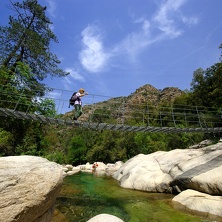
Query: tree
x=27, y=39
x=213, y=77
x=6, y=141
x=46, y=107
x=76, y=151
x=206, y=86
x=198, y=86
x=26, y=60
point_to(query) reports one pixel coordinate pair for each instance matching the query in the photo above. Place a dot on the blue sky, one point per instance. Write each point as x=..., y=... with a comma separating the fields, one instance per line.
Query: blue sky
x=112, y=47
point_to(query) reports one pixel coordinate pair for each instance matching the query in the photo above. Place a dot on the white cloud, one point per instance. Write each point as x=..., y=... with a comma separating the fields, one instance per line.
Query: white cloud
x=169, y=16
x=72, y=78
x=190, y=20
x=93, y=56
x=145, y=24
x=164, y=24
x=165, y=18
x=135, y=42
x=52, y=7
x=53, y=94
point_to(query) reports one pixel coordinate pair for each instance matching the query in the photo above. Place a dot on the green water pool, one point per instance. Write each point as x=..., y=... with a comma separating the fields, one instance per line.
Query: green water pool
x=85, y=195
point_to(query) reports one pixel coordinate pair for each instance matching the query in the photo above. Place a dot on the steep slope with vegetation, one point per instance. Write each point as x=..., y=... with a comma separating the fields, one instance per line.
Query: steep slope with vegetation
x=121, y=109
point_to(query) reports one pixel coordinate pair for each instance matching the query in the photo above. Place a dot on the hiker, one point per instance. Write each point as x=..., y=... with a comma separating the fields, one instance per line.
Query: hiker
x=78, y=103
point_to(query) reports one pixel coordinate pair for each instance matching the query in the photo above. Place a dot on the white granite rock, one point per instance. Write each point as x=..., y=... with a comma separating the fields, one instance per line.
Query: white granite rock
x=28, y=188
x=176, y=171
x=105, y=218
x=203, y=203
x=161, y=171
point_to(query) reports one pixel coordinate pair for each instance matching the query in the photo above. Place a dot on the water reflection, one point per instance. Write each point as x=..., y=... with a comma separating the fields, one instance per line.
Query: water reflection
x=85, y=195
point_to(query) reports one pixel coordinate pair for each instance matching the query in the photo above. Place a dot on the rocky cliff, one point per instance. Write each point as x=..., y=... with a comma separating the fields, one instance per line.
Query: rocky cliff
x=152, y=96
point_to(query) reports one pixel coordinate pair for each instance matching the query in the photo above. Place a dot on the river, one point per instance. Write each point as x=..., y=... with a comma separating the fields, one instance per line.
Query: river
x=85, y=195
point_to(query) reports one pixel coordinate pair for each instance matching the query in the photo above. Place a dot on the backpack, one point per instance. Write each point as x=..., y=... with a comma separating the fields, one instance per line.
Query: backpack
x=72, y=100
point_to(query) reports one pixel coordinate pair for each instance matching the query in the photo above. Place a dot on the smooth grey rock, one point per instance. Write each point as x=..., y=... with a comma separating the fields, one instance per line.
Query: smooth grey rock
x=205, y=204
x=176, y=171
x=28, y=188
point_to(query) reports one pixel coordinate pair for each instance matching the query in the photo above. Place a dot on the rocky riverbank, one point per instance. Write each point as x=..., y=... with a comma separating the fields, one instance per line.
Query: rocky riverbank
x=29, y=185
x=193, y=175
x=97, y=168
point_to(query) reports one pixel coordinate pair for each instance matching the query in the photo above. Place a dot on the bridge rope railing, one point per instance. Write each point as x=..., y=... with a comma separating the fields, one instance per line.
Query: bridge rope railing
x=103, y=112
x=162, y=116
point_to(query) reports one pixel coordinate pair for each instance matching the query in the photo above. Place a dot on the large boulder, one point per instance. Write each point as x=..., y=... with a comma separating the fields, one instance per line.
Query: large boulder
x=176, y=170
x=143, y=172
x=28, y=188
x=205, y=204
x=205, y=177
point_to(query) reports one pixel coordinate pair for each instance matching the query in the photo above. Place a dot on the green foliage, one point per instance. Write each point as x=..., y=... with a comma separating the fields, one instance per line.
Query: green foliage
x=27, y=148
x=206, y=86
x=182, y=101
x=24, y=71
x=27, y=38
x=56, y=156
x=46, y=107
x=102, y=115
x=31, y=142
x=6, y=143
x=107, y=147
x=77, y=151
x=16, y=90
x=148, y=143
x=26, y=60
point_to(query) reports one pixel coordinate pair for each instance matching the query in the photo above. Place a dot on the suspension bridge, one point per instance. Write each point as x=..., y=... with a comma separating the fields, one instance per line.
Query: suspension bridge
x=106, y=113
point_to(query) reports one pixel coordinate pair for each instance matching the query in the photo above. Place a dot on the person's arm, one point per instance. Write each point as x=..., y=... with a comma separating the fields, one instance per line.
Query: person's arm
x=83, y=94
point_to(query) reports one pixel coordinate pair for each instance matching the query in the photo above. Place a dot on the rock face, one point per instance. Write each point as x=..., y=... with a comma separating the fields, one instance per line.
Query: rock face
x=204, y=203
x=176, y=171
x=28, y=188
x=148, y=93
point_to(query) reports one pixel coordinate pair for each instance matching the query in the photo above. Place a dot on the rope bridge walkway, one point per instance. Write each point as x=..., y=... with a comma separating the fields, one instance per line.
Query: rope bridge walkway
x=106, y=113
